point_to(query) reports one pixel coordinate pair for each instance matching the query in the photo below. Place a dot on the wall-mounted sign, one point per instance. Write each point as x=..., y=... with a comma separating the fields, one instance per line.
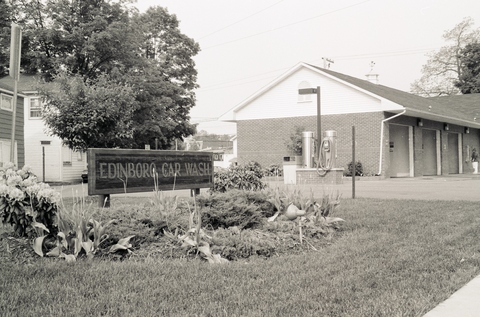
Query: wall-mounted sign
x=114, y=171
x=218, y=156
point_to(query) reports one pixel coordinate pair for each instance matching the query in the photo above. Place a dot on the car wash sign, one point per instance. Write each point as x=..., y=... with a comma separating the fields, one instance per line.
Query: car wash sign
x=114, y=171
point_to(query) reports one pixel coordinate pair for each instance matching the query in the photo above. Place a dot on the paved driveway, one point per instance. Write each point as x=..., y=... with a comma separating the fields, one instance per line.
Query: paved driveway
x=456, y=187
x=424, y=188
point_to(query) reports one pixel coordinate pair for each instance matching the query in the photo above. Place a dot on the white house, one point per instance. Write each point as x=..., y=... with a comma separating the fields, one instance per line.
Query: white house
x=49, y=159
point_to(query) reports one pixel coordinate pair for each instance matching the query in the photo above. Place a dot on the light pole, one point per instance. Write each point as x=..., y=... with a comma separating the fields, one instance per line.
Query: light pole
x=310, y=91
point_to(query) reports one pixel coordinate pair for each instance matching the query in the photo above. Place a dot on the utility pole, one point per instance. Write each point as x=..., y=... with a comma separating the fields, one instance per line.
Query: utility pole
x=327, y=62
x=14, y=72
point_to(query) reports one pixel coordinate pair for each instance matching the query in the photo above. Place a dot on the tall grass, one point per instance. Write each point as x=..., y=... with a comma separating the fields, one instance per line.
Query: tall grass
x=393, y=258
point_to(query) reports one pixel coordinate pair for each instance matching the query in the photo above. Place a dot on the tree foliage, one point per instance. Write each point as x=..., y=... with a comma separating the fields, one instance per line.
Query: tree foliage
x=85, y=115
x=469, y=80
x=137, y=71
x=444, y=67
x=4, y=37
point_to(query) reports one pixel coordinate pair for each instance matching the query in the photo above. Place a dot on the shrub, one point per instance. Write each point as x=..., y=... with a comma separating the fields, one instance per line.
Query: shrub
x=238, y=208
x=294, y=143
x=24, y=200
x=358, y=169
x=245, y=177
x=273, y=170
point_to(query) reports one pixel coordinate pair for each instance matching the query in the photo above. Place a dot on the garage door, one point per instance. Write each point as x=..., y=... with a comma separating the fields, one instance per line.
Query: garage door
x=429, y=147
x=399, y=151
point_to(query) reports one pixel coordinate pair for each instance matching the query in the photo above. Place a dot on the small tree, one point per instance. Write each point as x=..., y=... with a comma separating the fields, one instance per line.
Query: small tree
x=294, y=143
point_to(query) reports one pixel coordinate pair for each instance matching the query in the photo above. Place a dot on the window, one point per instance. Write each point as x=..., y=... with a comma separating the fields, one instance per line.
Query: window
x=66, y=156
x=304, y=98
x=6, y=102
x=5, y=149
x=35, y=108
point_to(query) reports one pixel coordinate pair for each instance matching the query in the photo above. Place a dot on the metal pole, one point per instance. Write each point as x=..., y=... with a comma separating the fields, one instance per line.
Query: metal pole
x=43, y=163
x=353, y=161
x=319, y=125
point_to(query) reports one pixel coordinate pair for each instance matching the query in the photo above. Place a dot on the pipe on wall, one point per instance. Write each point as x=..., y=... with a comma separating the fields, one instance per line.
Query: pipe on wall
x=381, y=138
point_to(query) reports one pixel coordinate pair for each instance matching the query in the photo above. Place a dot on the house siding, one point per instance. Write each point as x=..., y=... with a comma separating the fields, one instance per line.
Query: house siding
x=46, y=160
x=265, y=140
x=6, y=129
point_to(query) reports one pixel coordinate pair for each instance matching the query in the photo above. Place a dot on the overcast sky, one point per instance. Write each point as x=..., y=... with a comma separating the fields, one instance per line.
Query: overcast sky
x=246, y=44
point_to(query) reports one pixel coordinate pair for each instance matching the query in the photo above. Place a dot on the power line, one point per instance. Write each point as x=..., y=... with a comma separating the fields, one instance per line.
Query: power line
x=241, y=20
x=287, y=25
x=223, y=85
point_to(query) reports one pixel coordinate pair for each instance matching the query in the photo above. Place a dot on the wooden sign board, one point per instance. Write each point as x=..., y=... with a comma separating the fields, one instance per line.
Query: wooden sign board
x=116, y=171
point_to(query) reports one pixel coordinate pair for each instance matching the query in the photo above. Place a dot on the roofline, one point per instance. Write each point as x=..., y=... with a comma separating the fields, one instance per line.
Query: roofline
x=11, y=93
x=446, y=119
x=285, y=75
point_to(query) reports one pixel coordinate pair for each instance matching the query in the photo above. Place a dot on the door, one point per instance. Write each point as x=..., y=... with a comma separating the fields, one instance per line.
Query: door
x=453, y=159
x=399, y=151
x=429, y=147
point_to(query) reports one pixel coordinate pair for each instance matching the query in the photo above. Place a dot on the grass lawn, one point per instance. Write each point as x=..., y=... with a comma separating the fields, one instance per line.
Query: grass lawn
x=391, y=258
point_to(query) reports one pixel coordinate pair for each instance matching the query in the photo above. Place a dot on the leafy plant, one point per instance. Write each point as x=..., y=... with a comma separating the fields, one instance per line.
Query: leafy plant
x=294, y=143
x=245, y=177
x=273, y=170
x=23, y=200
x=358, y=169
x=195, y=239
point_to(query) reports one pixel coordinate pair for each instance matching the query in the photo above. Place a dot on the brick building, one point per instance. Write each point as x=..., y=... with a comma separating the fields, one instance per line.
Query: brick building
x=397, y=134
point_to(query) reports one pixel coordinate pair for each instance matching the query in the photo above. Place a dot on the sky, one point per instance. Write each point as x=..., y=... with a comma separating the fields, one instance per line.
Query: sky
x=247, y=44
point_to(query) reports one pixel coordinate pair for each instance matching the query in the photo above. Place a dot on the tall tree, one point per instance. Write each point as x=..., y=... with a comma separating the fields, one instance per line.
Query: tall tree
x=443, y=67
x=100, y=41
x=4, y=37
x=166, y=81
x=469, y=79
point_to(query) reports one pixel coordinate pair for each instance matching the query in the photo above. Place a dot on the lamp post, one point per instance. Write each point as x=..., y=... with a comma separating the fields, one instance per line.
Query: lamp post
x=310, y=91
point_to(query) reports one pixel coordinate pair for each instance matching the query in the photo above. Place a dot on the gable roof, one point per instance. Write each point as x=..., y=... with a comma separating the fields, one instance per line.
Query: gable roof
x=468, y=104
x=427, y=108
x=26, y=83
x=416, y=106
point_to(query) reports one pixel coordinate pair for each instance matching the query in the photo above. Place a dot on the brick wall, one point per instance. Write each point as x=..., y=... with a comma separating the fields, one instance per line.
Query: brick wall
x=265, y=140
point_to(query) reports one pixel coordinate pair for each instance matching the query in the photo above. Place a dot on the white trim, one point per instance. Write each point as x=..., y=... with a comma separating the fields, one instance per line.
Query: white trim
x=460, y=154
x=439, y=151
x=411, y=160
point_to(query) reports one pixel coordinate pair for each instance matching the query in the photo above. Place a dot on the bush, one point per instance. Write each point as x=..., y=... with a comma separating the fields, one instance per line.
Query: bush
x=358, y=169
x=273, y=170
x=245, y=177
x=23, y=200
x=237, y=208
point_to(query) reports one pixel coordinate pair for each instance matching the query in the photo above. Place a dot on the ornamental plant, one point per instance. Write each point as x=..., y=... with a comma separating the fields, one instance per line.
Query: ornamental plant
x=24, y=200
x=245, y=177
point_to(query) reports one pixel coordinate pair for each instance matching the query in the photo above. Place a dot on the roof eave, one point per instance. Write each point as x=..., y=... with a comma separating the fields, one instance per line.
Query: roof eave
x=438, y=117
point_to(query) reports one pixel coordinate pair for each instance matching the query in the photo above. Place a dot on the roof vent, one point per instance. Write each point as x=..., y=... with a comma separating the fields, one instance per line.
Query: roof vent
x=371, y=77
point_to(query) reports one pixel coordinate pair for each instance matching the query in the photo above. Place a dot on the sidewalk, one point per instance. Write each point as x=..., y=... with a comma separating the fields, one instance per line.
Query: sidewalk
x=463, y=303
